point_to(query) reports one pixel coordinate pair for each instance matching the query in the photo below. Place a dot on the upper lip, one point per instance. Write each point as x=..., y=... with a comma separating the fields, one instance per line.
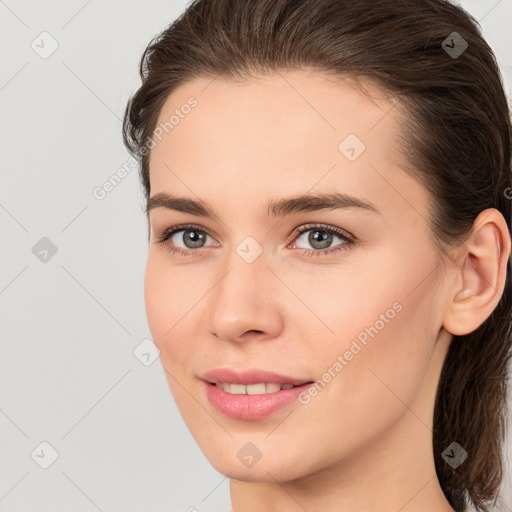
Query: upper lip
x=227, y=375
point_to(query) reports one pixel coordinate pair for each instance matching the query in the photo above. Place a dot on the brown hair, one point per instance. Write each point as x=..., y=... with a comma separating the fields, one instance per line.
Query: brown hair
x=456, y=137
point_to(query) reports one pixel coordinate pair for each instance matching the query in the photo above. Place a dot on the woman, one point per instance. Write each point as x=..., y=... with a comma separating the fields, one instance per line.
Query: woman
x=328, y=189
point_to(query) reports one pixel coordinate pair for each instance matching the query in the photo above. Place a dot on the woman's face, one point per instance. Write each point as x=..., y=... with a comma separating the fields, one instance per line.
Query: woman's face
x=352, y=303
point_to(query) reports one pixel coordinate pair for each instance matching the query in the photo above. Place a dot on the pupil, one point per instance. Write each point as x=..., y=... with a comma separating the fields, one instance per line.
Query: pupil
x=195, y=238
x=323, y=238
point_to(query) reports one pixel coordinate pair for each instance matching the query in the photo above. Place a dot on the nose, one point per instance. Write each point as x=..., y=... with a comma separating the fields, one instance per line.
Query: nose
x=245, y=303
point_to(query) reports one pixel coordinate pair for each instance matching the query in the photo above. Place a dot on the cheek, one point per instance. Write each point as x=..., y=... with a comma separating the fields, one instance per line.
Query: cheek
x=158, y=300
x=380, y=383
x=167, y=299
x=168, y=294
x=165, y=294
x=382, y=333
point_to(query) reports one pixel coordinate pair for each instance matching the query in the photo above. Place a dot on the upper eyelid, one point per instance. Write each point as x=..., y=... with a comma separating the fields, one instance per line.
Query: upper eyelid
x=327, y=227
x=298, y=231
x=184, y=227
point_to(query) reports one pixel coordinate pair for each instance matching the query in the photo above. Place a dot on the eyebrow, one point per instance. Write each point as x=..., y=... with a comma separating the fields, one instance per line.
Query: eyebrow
x=275, y=208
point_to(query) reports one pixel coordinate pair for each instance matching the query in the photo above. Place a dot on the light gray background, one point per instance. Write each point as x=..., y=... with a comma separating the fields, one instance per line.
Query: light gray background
x=68, y=374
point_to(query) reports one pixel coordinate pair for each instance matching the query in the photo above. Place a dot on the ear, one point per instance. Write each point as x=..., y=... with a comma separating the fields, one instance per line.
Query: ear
x=479, y=274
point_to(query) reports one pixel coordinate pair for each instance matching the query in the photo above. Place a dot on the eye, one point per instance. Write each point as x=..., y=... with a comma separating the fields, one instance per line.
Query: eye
x=194, y=239
x=321, y=238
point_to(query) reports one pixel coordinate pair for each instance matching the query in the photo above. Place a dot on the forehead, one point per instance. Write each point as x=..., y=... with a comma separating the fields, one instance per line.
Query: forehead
x=286, y=132
x=288, y=105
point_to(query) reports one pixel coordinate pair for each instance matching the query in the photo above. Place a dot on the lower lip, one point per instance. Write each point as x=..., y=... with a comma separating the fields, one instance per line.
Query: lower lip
x=251, y=407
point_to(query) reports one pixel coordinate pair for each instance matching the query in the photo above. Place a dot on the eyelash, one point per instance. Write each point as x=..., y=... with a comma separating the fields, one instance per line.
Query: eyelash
x=349, y=240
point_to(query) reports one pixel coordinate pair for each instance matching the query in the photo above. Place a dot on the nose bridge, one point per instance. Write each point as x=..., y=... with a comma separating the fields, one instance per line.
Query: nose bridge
x=244, y=279
x=247, y=264
x=243, y=299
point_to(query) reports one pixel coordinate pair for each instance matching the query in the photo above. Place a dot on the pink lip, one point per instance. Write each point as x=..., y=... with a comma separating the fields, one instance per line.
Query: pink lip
x=251, y=407
x=250, y=377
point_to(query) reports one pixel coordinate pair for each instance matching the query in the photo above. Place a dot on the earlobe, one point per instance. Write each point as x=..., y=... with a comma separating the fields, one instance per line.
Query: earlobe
x=480, y=274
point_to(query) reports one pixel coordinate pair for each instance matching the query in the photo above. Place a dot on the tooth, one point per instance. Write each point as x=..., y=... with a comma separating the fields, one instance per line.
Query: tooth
x=256, y=389
x=253, y=389
x=238, y=389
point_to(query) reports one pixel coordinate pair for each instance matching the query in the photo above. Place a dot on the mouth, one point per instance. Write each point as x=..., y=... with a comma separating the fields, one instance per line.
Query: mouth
x=252, y=401
x=262, y=388
x=253, y=381
x=252, y=394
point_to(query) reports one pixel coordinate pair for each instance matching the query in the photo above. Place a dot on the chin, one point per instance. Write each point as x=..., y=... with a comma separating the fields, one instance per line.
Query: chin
x=265, y=469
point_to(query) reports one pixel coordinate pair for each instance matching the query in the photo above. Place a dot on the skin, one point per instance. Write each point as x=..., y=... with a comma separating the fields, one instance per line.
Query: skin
x=364, y=443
